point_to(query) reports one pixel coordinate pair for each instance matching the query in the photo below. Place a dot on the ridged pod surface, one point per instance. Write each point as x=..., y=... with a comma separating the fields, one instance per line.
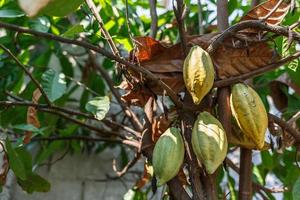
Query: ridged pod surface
x=198, y=73
x=209, y=141
x=168, y=155
x=249, y=112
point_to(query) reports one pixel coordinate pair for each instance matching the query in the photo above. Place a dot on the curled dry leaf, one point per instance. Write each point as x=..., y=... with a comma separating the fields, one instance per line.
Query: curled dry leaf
x=148, y=173
x=32, y=115
x=261, y=11
x=4, y=169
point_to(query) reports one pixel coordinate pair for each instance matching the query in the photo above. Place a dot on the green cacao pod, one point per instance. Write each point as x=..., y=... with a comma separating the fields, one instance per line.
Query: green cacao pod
x=168, y=155
x=198, y=73
x=249, y=112
x=209, y=141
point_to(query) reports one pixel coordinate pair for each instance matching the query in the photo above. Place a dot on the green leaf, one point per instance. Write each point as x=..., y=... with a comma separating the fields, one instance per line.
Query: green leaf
x=8, y=13
x=258, y=175
x=34, y=183
x=27, y=127
x=50, y=7
x=61, y=8
x=54, y=84
x=296, y=190
x=15, y=161
x=26, y=158
x=41, y=24
x=98, y=106
x=134, y=194
x=73, y=31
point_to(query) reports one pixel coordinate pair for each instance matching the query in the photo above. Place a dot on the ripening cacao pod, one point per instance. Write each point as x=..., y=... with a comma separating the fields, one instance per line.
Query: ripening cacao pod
x=198, y=73
x=168, y=155
x=209, y=141
x=238, y=138
x=249, y=112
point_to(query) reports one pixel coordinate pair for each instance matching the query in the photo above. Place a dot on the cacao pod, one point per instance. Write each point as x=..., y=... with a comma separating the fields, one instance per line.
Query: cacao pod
x=249, y=112
x=198, y=73
x=209, y=141
x=238, y=138
x=168, y=155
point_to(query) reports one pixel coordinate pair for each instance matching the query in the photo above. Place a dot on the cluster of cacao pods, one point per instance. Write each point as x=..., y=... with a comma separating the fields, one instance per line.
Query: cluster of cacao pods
x=209, y=139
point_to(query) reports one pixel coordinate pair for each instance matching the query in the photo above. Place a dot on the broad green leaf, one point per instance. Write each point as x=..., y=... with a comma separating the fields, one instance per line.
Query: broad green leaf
x=26, y=158
x=15, y=161
x=73, y=31
x=54, y=84
x=41, y=24
x=61, y=8
x=296, y=190
x=27, y=127
x=50, y=7
x=98, y=106
x=34, y=183
x=10, y=13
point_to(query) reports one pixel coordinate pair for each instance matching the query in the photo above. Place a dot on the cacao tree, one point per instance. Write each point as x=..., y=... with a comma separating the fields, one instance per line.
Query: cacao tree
x=191, y=87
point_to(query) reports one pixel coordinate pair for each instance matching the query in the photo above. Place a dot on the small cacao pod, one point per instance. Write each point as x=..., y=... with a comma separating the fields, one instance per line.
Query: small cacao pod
x=249, y=112
x=198, y=73
x=168, y=155
x=209, y=141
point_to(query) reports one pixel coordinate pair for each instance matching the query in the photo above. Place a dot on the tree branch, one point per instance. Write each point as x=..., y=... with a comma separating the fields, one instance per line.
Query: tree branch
x=86, y=138
x=255, y=24
x=106, y=34
x=137, y=68
x=128, y=112
x=63, y=115
x=154, y=18
x=285, y=126
x=27, y=72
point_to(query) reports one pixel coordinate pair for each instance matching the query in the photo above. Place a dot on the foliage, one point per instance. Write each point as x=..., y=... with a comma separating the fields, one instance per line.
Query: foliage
x=74, y=77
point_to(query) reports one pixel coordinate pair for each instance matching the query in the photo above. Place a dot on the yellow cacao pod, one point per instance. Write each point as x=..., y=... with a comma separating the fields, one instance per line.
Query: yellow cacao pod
x=209, y=141
x=238, y=138
x=168, y=155
x=249, y=112
x=198, y=73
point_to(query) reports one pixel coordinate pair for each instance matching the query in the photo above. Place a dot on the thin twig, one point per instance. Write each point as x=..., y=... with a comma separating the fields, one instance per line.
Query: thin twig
x=255, y=185
x=285, y=126
x=132, y=116
x=255, y=24
x=127, y=167
x=61, y=114
x=23, y=67
x=106, y=34
x=87, y=138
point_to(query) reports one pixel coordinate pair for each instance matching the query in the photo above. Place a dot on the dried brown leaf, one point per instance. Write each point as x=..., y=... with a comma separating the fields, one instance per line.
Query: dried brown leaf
x=262, y=10
x=148, y=173
x=230, y=61
x=4, y=169
x=32, y=115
